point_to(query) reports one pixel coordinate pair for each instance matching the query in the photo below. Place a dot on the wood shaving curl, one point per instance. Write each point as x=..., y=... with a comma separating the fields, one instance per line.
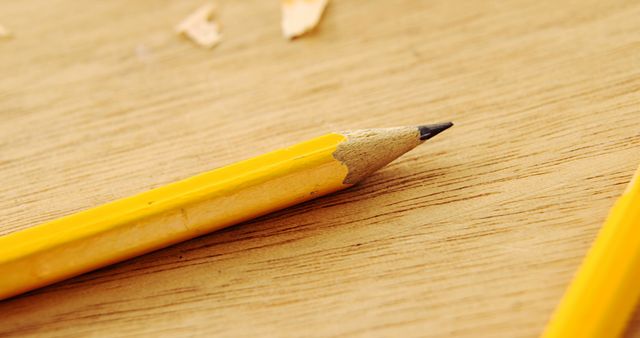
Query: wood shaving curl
x=4, y=33
x=200, y=27
x=300, y=16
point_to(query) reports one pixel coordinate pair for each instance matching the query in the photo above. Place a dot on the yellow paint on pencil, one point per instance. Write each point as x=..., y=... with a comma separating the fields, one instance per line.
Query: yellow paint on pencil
x=154, y=219
x=606, y=288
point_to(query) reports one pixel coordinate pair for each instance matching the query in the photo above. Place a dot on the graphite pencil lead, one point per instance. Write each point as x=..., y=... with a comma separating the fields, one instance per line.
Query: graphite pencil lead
x=431, y=130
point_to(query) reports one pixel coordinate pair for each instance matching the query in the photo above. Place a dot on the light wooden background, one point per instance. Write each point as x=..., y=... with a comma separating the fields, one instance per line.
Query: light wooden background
x=475, y=234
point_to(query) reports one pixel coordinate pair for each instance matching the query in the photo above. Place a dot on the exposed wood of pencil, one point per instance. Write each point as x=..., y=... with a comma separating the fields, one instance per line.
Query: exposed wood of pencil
x=476, y=234
x=132, y=226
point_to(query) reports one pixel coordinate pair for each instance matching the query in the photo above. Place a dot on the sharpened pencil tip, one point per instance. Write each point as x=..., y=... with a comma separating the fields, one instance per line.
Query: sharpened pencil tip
x=431, y=130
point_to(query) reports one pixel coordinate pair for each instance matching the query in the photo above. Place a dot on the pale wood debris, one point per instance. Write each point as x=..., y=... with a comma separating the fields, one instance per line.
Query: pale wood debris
x=300, y=16
x=201, y=27
x=4, y=33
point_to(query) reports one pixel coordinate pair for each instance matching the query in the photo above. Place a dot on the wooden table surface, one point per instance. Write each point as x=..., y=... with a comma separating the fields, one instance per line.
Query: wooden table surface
x=475, y=234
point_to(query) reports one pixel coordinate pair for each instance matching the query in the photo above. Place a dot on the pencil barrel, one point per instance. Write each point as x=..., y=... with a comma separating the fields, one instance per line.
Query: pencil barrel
x=604, y=292
x=158, y=218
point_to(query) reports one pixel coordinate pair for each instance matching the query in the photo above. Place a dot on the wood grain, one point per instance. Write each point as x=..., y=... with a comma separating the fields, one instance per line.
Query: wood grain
x=474, y=235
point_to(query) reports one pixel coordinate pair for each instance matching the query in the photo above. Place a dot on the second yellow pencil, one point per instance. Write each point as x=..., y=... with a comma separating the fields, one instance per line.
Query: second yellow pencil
x=606, y=288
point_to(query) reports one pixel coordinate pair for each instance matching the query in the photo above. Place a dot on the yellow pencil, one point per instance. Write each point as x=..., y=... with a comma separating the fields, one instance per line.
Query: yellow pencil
x=192, y=207
x=606, y=288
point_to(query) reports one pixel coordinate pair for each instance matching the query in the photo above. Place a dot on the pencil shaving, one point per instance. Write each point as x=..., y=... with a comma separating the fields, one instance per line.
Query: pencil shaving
x=4, y=33
x=301, y=16
x=200, y=27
